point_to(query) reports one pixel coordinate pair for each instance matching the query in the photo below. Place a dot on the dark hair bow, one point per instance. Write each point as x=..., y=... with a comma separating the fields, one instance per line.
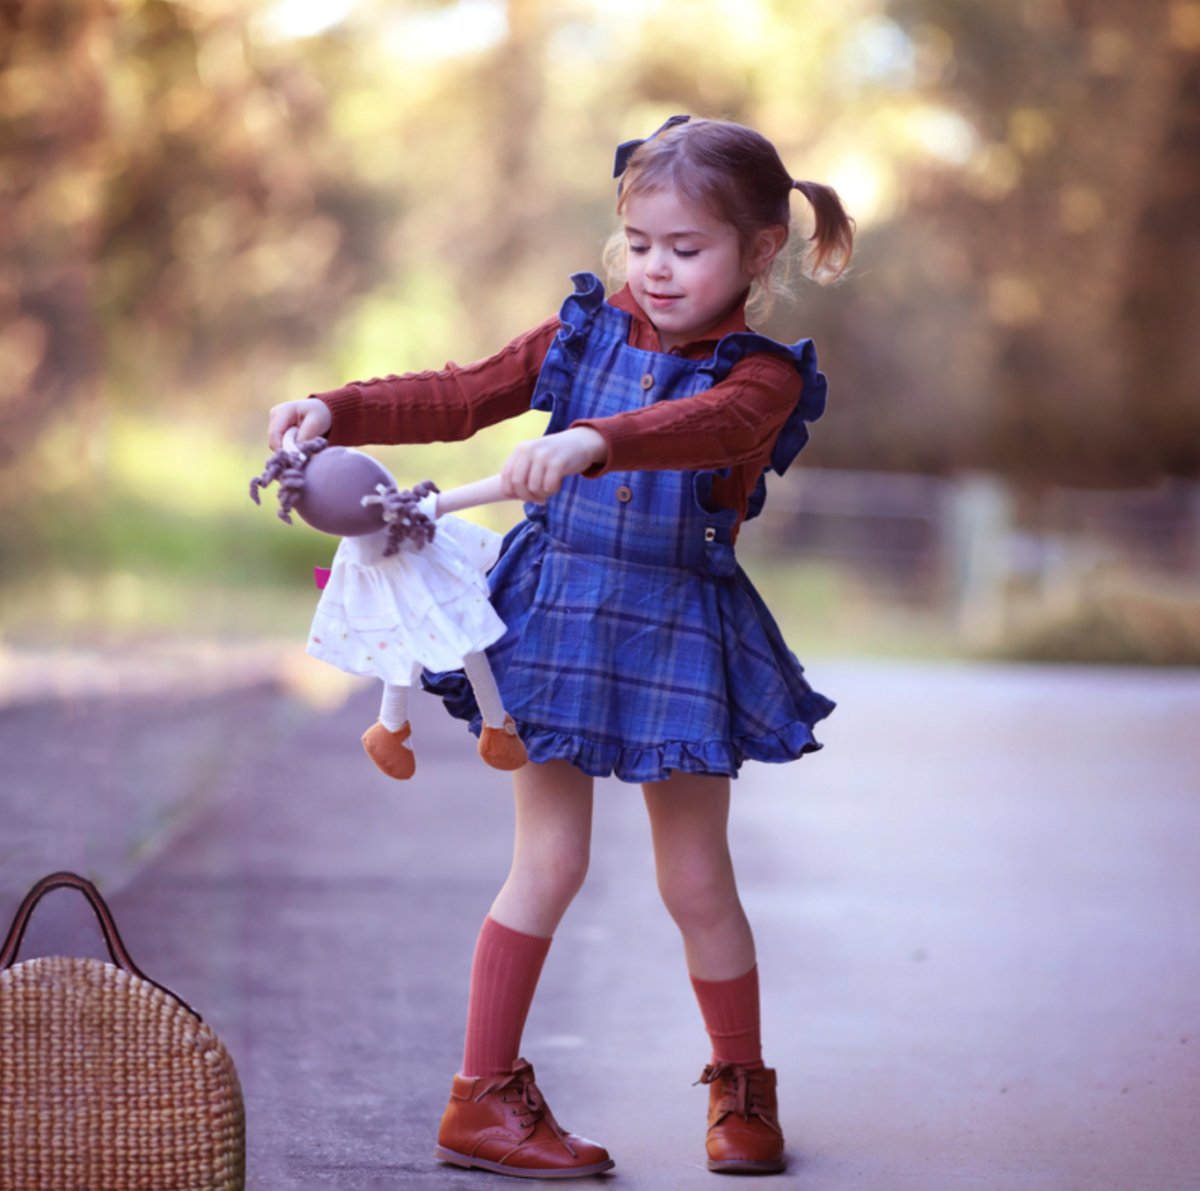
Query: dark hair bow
x=626, y=149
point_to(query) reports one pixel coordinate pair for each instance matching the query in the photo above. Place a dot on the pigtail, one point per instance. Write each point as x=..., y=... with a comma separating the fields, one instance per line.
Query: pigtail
x=833, y=236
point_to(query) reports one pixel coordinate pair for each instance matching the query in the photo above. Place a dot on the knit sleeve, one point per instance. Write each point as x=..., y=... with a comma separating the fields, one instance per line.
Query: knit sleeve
x=443, y=406
x=735, y=422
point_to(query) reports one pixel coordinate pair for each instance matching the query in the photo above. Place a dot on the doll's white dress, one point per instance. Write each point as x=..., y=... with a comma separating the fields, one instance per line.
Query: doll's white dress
x=386, y=617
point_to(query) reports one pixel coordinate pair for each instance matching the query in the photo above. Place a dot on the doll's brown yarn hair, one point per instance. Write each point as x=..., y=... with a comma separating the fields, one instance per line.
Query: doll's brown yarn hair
x=288, y=468
x=398, y=509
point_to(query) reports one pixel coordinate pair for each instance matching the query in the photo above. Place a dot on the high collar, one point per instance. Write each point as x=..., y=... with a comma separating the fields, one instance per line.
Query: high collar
x=645, y=334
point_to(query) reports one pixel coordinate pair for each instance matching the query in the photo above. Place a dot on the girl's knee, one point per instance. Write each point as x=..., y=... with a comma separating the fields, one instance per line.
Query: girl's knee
x=567, y=872
x=551, y=876
x=697, y=896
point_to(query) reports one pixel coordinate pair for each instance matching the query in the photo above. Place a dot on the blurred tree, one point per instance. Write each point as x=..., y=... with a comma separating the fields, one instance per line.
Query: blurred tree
x=52, y=145
x=176, y=212
x=1160, y=308
x=1038, y=286
x=193, y=204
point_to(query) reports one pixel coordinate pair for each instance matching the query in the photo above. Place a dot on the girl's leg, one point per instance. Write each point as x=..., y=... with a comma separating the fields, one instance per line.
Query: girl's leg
x=689, y=817
x=496, y=1119
x=550, y=857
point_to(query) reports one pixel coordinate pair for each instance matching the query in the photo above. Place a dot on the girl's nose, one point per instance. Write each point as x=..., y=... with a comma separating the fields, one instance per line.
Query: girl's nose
x=658, y=265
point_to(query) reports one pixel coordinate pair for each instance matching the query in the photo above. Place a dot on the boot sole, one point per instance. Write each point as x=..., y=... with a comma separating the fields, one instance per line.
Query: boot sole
x=734, y=1166
x=518, y=1172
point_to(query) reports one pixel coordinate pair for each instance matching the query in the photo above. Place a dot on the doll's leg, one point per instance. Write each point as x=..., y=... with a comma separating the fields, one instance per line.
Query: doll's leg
x=499, y=744
x=497, y=1119
x=386, y=741
x=689, y=815
x=393, y=708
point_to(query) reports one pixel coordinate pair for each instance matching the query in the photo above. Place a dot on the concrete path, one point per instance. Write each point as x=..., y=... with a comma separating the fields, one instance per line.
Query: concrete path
x=978, y=917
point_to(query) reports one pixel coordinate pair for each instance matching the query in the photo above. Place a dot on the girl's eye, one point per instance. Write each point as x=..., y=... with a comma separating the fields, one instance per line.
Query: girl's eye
x=687, y=251
x=639, y=248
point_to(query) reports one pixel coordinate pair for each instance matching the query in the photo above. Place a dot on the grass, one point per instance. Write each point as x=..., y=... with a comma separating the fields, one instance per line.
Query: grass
x=142, y=528
x=1115, y=619
x=826, y=610
x=139, y=573
x=146, y=532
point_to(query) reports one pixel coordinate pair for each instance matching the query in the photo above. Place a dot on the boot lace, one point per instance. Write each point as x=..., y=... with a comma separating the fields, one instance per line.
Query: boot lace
x=741, y=1091
x=528, y=1105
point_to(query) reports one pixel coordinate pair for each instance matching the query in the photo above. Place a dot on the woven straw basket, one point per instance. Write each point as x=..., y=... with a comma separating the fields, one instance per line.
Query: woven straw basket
x=108, y=1081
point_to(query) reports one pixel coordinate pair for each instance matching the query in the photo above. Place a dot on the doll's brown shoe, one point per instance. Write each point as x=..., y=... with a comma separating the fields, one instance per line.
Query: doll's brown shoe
x=388, y=750
x=744, y=1136
x=501, y=1123
x=501, y=748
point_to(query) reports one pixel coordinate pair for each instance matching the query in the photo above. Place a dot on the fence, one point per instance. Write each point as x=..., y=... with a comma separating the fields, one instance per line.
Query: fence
x=967, y=543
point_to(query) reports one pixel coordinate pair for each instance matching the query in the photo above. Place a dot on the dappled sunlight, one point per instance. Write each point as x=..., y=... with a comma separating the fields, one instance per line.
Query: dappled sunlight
x=287, y=19
x=216, y=205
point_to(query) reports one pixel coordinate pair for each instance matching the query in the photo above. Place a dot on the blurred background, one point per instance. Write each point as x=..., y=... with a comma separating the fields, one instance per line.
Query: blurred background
x=210, y=206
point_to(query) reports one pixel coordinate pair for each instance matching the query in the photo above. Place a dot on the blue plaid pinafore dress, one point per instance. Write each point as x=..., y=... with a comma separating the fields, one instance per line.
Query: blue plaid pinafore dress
x=635, y=644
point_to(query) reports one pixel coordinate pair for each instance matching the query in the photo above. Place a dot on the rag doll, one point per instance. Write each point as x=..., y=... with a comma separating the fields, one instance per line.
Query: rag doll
x=407, y=589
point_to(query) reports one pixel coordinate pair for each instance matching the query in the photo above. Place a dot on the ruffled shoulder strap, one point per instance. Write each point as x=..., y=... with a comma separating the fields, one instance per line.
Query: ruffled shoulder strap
x=579, y=308
x=810, y=405
x=576, y=316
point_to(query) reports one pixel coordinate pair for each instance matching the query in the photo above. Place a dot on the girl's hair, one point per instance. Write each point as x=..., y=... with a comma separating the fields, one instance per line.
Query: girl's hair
x=736, y=173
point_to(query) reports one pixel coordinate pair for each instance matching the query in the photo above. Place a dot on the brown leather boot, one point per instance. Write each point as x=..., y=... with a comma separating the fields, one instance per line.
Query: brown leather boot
x=744, y=1136
x=501, y=748
x=501, y=1123
x=388, y=750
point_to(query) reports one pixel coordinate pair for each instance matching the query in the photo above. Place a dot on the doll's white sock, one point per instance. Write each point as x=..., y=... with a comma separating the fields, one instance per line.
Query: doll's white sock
x=479, y=674
x=393, y=711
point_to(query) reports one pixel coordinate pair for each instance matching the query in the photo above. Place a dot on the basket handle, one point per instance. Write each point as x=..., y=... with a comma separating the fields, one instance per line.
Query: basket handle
x=112, y=937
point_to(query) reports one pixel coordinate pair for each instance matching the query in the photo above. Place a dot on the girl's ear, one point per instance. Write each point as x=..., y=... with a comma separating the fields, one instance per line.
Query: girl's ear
x=768, y=242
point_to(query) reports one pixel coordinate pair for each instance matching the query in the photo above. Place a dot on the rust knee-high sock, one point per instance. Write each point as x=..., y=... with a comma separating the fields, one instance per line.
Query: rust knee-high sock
x=504, y=975
x=731, y=1017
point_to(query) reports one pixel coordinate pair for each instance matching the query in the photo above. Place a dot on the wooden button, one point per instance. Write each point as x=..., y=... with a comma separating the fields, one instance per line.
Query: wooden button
x=648, y=381
x=624, y=494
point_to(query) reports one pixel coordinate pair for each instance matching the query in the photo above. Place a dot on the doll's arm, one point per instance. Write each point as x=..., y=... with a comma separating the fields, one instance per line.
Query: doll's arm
x=534, y=471
x=481, y=492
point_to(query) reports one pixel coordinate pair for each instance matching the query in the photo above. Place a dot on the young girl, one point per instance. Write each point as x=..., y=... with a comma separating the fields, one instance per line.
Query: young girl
x=635, y=644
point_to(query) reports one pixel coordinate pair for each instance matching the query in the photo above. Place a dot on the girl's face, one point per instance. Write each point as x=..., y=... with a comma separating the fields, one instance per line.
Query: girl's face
x=686, y=267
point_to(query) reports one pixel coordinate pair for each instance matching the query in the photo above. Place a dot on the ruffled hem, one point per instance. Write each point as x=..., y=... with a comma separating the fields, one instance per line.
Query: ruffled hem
x=635, y=763
x=656, y=763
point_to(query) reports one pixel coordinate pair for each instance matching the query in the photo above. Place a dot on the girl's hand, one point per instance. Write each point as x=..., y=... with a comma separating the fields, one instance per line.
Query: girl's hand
x=536, y=469
x=311, y=417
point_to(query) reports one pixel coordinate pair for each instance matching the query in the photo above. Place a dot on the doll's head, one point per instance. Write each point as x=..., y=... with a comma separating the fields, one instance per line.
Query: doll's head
x=345, y=492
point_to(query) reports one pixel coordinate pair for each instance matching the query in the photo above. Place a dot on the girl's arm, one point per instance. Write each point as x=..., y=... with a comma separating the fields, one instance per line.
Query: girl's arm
x=310, y=417
x=443, y=406
x=734, y=422
x=534, y=471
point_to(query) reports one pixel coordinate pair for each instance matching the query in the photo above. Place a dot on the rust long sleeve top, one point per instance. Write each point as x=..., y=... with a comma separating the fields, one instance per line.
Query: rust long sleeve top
x=732, y=425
